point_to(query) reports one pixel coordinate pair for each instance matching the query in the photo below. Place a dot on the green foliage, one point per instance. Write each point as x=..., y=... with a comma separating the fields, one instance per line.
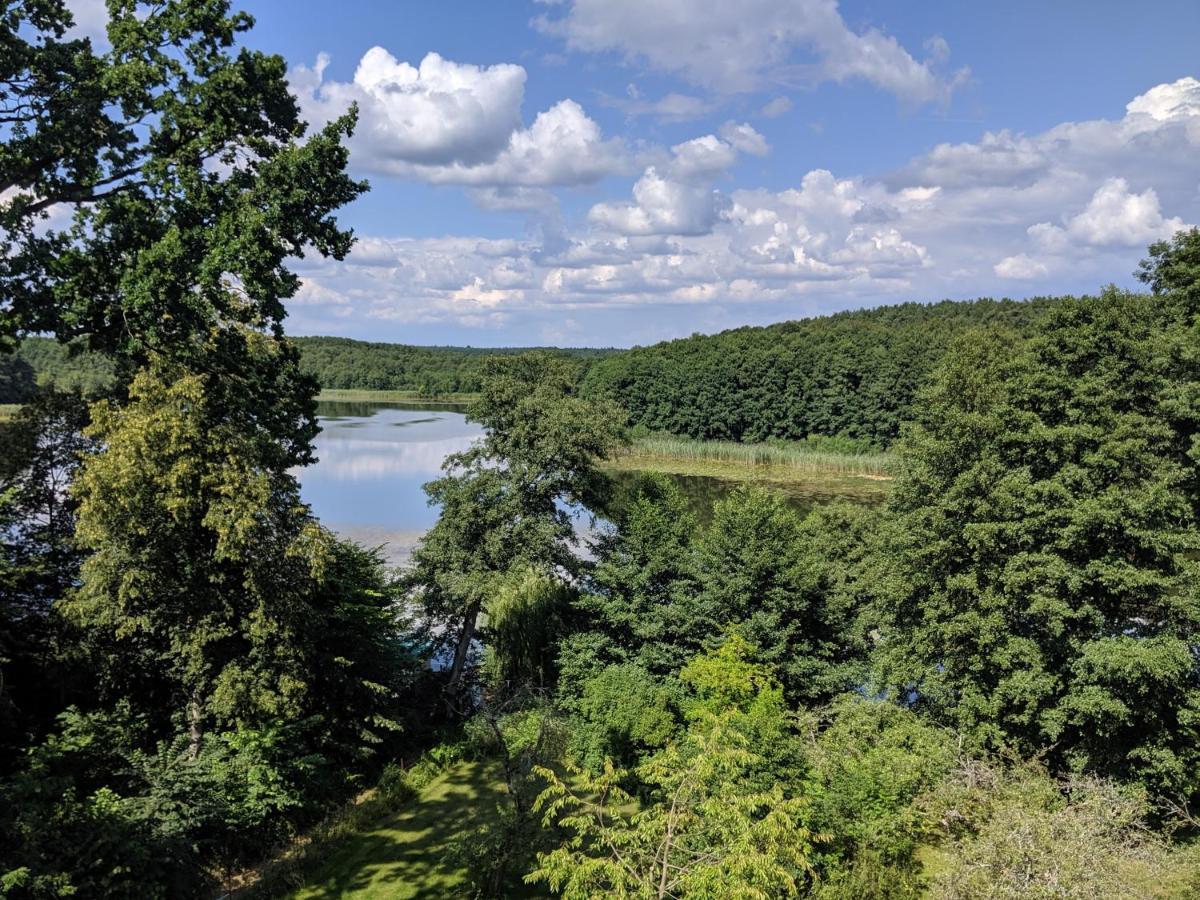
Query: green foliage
x=622, y=713
x=17, y=380
x=1046, y=541
x=61, y=367
x=641, y=603
x=790, y=586
x=524, y=623
x=868, y=768
x=854, y=375
x=504, y=502
x=342, y=363
x=706, y=830
x=39, y=453
x=1017, y=834
x=526, y=741
x=180, y=152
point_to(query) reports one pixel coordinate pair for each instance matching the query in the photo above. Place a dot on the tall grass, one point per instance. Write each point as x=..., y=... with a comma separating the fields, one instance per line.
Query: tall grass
x=796, y=455
x=413, y=397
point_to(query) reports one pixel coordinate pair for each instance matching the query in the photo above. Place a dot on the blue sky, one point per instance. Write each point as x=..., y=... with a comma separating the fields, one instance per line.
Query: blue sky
x=612, y=172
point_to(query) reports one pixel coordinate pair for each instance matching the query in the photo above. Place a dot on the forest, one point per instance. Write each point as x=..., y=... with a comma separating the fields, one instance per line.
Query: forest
x=854, y=375
x=987, y=687
x=335, y=363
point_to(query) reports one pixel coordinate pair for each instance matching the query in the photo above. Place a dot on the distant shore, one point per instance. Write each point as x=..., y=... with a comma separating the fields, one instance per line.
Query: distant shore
x=414, y=397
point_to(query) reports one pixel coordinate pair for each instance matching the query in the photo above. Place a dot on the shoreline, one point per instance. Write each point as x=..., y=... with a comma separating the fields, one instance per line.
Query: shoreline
x=782, y=466
x=353, y=395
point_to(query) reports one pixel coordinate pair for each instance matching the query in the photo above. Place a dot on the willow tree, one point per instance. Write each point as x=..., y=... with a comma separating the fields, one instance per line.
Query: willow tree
x=505, y=502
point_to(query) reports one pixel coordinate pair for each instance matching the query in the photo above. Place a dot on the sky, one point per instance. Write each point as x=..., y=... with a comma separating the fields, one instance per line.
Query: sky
x=618, y=172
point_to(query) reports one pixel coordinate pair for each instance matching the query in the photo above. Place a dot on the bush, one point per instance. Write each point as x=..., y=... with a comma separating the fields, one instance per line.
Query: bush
x=868, y=768
x=1019, y=834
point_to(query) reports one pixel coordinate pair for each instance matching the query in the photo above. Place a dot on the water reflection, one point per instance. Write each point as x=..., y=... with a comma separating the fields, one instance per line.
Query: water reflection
x=373, y=459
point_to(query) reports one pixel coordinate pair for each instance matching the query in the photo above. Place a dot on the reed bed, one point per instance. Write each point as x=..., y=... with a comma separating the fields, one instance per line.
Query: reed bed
x=414, y=397
x=795, y=455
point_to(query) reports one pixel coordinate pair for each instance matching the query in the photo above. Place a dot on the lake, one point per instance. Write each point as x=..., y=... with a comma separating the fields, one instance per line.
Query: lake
x=374, y=457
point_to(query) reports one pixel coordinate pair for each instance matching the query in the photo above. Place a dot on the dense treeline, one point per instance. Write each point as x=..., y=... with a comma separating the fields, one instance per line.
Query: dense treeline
x=336, y=363
x=430, y=371
x=854, y=374
x=45, y=363
x=851, y=375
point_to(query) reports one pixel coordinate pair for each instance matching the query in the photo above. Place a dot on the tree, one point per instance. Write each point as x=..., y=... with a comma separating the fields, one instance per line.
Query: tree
x=789, y=586
x=640, y=603
x=504, y=502
x=181, y=161
x=524, y=626
x=712, y=824
x=209, y=591
x=1046, y=545
x=39, y=452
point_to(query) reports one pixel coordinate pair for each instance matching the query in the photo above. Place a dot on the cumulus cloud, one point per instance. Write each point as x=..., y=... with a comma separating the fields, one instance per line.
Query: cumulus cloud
x=678, y=197
x=439, y=112
x=661, y=205
x=1114, y=216
x=744, y=138
x=734, y=47
x=454, y=123
x=1066, y=209
x=1019, y=266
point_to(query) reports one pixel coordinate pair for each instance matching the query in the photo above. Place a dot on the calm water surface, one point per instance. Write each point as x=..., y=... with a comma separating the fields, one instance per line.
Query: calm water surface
x=373, y=459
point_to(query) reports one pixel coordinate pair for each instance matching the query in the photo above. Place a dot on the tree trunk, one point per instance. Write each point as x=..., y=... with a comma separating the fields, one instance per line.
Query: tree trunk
x=465, y=637
x=194, y=730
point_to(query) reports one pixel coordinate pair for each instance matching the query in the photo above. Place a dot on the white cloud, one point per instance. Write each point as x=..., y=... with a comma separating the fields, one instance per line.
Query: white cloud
x=678, y=197
x=1067, y=209
x=440, y=112
x=661, y=206
x=1117, y=215
x=452, y=123
x=1019, y=266
x=773, y=109
x=744, y=138
x=733, y=47
x=672, y=107
x=1167, y=102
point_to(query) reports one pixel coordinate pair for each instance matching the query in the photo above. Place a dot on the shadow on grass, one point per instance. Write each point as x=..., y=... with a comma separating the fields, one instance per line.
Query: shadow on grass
x=405, y=856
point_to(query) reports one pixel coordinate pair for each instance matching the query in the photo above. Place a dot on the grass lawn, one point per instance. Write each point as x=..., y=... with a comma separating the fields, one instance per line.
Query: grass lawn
x=393, y=397
x=8, y=410
x=403, y=857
